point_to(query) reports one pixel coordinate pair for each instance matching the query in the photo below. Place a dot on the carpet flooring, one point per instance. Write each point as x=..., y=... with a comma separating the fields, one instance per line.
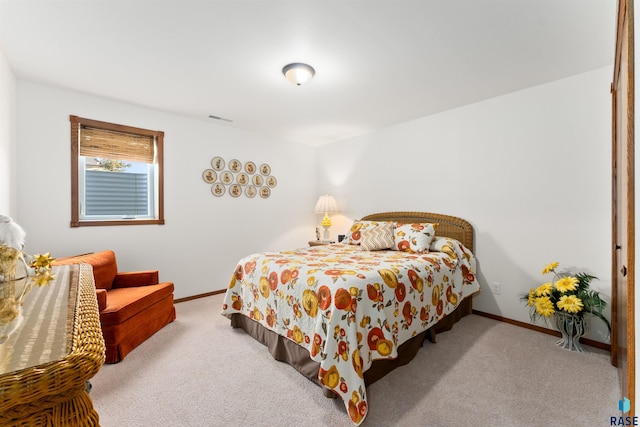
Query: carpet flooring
x=198, y=371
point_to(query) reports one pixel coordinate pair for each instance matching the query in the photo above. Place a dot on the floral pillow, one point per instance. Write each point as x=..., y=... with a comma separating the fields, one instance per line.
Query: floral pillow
x=413, y=238
x=449, y=246
x=377, y=238
x=355, y=233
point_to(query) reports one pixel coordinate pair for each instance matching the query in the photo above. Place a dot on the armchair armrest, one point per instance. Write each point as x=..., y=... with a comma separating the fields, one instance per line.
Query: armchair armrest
x=135, y=278
x=101, y=295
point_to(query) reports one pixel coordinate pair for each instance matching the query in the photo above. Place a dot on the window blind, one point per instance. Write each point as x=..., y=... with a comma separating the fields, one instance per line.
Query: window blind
x=116, y=193
x=106, y=144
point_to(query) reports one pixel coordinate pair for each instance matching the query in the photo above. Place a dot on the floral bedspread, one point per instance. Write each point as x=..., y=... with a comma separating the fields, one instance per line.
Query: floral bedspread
x=349, y=307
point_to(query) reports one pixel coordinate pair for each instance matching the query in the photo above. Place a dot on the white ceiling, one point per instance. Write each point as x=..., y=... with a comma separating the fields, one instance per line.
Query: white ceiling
x=378, y=63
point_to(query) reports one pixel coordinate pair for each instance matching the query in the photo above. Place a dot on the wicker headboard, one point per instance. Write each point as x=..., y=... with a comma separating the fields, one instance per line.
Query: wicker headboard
x=448, y=226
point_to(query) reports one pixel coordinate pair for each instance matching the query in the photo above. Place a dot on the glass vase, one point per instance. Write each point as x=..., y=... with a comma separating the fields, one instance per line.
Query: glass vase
x=10, y=308
x=571, y=328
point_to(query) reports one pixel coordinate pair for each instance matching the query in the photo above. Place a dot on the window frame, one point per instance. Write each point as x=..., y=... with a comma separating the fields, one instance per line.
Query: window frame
x=158, y=136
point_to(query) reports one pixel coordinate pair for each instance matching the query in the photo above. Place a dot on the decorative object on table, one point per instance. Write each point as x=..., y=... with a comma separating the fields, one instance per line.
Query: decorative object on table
x=326, y=204
x=258, y=180
x=13, y=291
x=14, y=263
x=16, y=278
x=566, y=299
x=11, y=234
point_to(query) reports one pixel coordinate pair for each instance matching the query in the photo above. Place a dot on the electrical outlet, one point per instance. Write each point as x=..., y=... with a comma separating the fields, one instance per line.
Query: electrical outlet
x=496, y=287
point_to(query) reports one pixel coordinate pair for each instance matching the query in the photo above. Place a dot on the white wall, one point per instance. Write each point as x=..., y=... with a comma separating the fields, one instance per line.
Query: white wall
x=204, y=236
x=530, y=170
x=7, y=138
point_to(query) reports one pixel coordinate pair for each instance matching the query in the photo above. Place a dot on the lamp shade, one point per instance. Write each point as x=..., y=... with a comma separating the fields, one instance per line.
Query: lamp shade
x=298, y=73
x=326, y=204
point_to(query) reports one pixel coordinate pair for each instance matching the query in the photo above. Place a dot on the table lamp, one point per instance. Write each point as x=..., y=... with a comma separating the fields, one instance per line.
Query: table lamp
x=326, y=204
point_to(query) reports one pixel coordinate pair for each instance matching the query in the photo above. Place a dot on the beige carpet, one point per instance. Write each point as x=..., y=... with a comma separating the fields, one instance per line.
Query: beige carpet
x=198, y=371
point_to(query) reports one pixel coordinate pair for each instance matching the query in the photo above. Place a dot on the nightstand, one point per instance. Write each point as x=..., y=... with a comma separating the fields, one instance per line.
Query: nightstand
x=319, y=242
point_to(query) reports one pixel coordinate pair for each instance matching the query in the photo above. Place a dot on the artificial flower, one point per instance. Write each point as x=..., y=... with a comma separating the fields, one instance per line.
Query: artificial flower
x=550, y=267
x=42, y=262
x=544, y=307
x=570, y=304
x=532, y=297
x=566, y=284
x=544, y=289
x=10, y=258
x=564, y=294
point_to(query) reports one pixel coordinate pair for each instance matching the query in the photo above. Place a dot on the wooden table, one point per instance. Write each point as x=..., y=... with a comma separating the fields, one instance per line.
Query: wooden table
x=51, y=353
x=319, y=242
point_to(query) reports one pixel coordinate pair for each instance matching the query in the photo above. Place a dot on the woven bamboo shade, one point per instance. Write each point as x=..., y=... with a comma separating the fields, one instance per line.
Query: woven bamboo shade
x=107, y=144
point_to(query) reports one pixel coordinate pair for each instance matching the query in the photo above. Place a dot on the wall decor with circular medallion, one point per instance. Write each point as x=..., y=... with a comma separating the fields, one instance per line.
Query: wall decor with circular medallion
x=235, y=166
x=217, y=163
x=226, y=177
x=242, y=178
x=236, y=178
x=218, y=189
x=250, y=168
x=258, y=180
x=235, y=190
x=250, y=191
x=209, y=176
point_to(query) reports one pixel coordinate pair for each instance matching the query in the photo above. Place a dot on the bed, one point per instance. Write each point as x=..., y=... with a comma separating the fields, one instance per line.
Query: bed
x=346, y=314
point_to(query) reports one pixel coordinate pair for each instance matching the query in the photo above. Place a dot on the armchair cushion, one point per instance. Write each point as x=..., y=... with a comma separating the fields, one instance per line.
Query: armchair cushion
x=135, y=278
x=124, y=303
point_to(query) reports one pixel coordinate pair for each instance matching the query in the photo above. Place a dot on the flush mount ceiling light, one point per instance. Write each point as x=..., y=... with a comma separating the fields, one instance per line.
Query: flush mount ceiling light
x=298, y=73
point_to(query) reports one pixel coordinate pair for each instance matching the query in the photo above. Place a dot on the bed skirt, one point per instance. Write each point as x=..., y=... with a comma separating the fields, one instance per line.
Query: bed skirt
x=287, y=351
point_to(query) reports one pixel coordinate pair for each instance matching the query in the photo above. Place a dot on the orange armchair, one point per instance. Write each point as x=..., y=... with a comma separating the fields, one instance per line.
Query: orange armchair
x=133, y=305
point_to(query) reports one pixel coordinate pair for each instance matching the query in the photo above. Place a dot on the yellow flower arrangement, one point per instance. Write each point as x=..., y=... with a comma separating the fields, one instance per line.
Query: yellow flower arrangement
x=10, y=260
x=564, y=294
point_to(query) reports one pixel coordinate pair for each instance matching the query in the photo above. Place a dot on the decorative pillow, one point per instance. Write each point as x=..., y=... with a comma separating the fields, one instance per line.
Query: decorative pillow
x=355, y=233
x=414, y=238
x=377, y=238
x=449, y=246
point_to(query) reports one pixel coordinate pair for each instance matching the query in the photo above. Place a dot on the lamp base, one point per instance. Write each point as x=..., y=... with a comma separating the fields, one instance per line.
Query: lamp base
x=325, y=237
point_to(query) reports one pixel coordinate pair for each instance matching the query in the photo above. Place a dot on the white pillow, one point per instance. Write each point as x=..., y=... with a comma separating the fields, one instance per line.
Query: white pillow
x=413, y=238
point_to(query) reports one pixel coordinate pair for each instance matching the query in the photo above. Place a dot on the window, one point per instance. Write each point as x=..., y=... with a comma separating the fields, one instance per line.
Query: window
x=116, y=174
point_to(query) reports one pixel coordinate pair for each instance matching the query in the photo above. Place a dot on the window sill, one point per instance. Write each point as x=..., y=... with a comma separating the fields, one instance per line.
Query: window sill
x=101, y=223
